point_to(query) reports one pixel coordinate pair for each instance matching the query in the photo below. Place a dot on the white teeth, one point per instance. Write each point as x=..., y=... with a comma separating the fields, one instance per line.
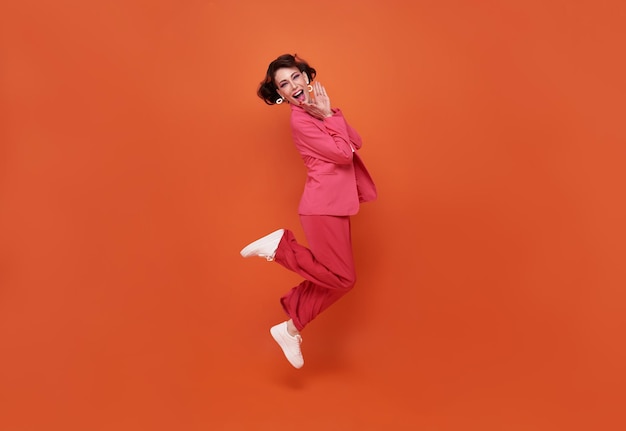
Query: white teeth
x=298, y=93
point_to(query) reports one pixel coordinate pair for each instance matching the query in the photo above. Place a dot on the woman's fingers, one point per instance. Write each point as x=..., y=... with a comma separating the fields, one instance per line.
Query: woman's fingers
x=319, y=89
x=322, y=90
x=319, y=105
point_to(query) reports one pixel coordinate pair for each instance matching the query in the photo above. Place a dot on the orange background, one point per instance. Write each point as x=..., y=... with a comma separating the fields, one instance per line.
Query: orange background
x=136, y=161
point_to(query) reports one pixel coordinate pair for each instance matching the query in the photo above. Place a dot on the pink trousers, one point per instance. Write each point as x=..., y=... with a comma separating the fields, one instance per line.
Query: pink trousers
x=327, y=266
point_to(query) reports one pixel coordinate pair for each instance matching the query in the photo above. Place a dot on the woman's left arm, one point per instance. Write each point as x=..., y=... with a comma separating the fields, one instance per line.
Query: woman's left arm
x=320, y=108
x=355, y=138
x=353, y=135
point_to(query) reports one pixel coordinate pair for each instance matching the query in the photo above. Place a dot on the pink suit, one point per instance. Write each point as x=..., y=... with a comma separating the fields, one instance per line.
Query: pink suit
x=337, y=182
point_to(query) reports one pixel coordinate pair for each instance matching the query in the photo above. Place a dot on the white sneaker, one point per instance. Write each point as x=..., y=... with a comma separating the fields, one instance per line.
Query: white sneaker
x=264, y=247
x=289, y=343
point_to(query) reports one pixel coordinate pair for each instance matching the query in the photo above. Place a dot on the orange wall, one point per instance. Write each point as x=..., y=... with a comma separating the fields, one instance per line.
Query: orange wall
x=136, y=161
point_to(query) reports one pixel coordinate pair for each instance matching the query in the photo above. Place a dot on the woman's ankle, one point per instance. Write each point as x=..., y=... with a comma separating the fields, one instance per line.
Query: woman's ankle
x=291, y=328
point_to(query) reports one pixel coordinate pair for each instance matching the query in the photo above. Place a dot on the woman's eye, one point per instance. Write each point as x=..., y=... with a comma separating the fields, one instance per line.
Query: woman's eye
x=296, y=76
x=283, y=84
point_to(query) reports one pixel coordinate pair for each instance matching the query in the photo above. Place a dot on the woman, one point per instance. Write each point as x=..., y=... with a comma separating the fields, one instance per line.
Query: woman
x=337, y=181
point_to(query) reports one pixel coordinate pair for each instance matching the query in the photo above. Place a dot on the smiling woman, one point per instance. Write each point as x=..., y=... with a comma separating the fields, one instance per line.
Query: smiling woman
x=337, y=182
x=286, y=72
x=292, y=84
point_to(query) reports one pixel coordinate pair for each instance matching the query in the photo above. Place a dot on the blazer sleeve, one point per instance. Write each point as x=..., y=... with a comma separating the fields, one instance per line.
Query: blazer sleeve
x=330, y=139
x=355, y=138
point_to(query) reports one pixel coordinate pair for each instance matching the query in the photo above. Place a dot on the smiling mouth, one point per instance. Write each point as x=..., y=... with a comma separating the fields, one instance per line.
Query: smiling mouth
x=299, y=95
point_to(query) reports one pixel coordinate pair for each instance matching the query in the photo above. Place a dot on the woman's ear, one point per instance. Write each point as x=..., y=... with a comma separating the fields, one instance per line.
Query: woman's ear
x=306, y=77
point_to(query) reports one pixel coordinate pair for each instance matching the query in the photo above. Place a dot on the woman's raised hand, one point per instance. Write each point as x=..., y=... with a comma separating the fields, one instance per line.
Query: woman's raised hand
x=319, y=107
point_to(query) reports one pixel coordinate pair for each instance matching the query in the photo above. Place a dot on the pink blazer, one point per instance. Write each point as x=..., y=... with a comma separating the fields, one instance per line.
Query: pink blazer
x=337, y=180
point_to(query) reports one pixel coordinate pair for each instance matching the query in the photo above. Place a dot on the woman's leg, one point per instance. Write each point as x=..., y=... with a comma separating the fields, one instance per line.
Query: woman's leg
x=327, y=266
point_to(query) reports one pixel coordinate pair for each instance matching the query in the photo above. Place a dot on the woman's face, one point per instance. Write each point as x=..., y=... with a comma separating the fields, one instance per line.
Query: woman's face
x=292, y=84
